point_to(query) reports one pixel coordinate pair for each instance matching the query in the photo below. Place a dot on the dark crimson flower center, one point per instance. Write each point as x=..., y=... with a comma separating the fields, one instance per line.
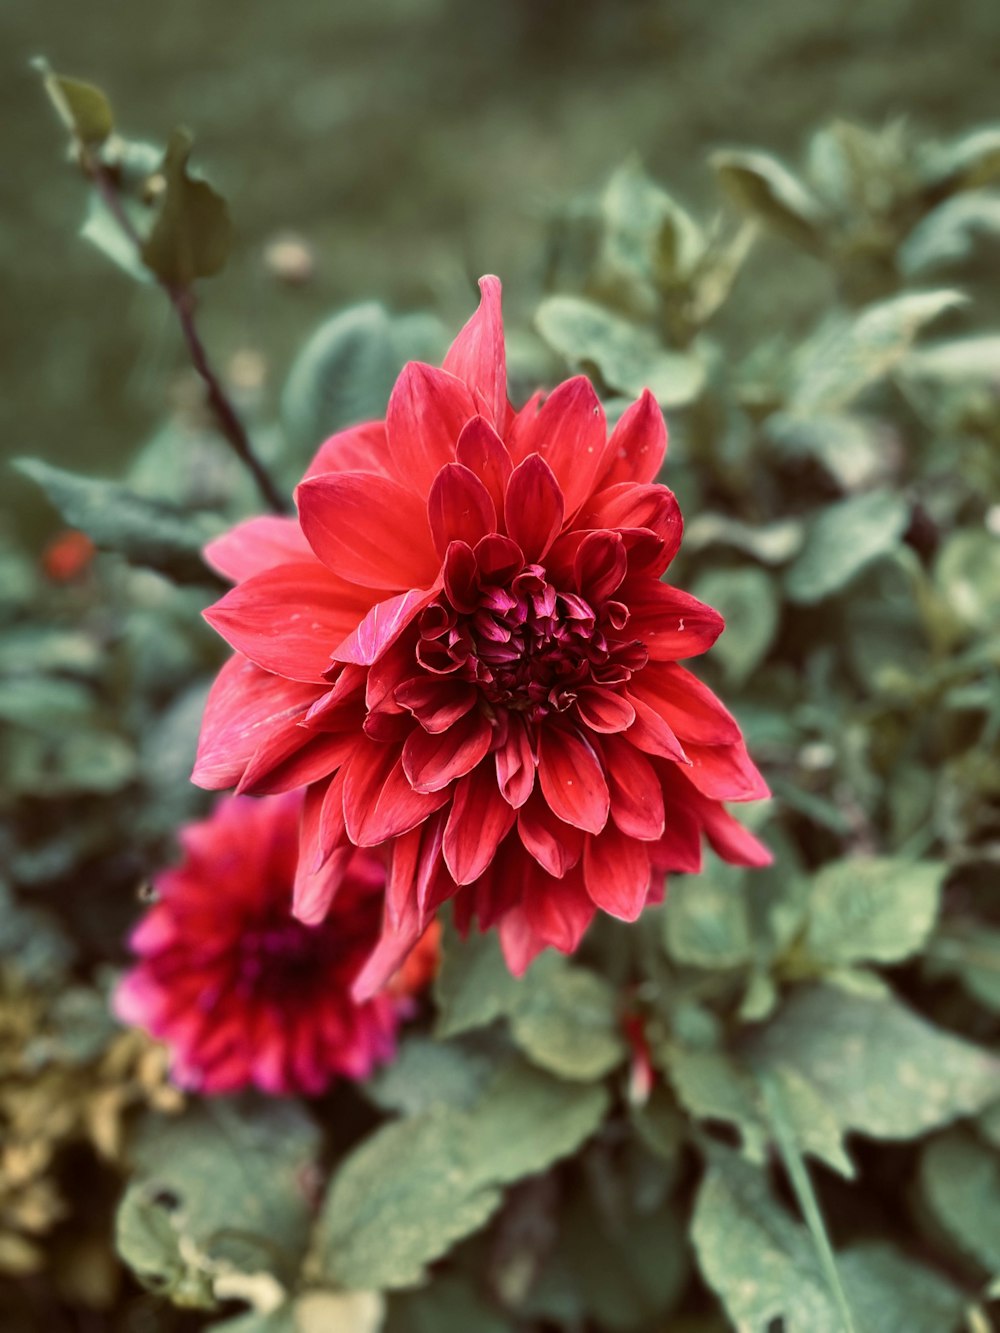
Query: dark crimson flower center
x=528, y=646
x=280, y=957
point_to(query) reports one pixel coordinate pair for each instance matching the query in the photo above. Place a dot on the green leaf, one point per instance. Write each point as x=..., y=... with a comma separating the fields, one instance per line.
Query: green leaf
x=960, y=1181
x=771, y=544
x=877, y=910
x=314, y=1312
x=748, y=602
x=192, y=235
x=842, y=539
x=764, y=187
x=881, y=1070
x=146, y=532
x=968, y=162
x=566, y=1022
x=428, y=1073
x=449, y=1304
x=957, y=361
x=219, y=1196
x=83, y=108
x=474, y=986
x=887, y=1290
x=970, y=951
x=849, y=355
x=346, y=370
x=705, y=919
x=967, y=575
x=952, y=232
x=628, y=358
x=411, y=1190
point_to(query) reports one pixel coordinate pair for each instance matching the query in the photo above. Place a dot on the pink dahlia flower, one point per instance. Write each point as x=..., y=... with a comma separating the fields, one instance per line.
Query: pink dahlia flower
x=241, y=991
x=463, y=647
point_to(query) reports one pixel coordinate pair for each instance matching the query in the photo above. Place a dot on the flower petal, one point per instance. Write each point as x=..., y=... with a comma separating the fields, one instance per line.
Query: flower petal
x=290, y=618
x=478, y=822
x=689, y=708
x=436, y=704
x=617, y=873
x=483, y=452
x=725, y=772
x=627, y=506
x=477, y=355
x=599, y=566
x=557, y=910
x=380, y=628
x=379, y=802
x=459, y=508
x=257, y=544
x=363, y=448
x=638, y=443
x=516, y=763
x=601, y=709
x=649, y=732
x=431, y=761
x=556, y=846
x=244, y=706
x=672, y=624
x=572, y=779
x=636, y=792
x=570, y=433
x=533, y=507
x=368, y=529
x=427, y=410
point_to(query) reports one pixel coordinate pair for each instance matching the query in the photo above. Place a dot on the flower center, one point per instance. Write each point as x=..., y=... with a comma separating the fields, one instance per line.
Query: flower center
x=528, y=646
x=279, y=957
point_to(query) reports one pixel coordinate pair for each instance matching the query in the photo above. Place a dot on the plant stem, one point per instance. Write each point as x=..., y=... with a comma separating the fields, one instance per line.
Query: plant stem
x=183, y=301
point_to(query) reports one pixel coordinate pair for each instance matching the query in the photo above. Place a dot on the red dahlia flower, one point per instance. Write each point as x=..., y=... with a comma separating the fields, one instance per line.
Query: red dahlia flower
x=463, y=648
x=241, y=991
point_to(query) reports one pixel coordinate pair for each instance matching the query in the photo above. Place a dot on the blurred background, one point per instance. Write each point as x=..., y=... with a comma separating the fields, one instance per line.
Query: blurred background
x=411, y=144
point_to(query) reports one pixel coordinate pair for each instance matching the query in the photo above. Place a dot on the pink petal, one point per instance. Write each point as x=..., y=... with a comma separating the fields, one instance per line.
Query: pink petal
x=628, y=506
x=636, y=792
x=380, y=628
x=554, y=845
x=638, y=443
x=289, y=619
x=436, y=704
x=672, y=624
x=379, y=802
x=725, y=772
x=478, y=822
x=651, y=733
x=516, y=763
x=426, y=413
x=690, y=708
x=368, y=529
x=459, y=508
x=599, y=566
x=477, y=355
x=483, y=452
x=617, y=873
x=520, y=943
x=245, y=705
x=570, y=433
x=533, y=507
x=361, y=448
x=601, y=709
x=257, y=544
x=432, y=761
x=572, y=779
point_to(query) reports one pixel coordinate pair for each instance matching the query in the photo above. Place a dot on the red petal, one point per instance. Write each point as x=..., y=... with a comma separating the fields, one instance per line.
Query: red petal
x=636, y=793
x=533, y=507
x=459, y=508
x=558, y=910
x=483, y=452
x=649, y=732
x=292, y=759
x=626, y=507
x=257, y=544
x=599, y=566
x=680, y=847
x=320, y=871
x=515, y=763
x=436, y=704
x=361, y=448
x=477, y=355
x=368, y=529
x=290, y=618
x=672, y=624
x=572, y=779
x=638, y=443
x=478, y=822
x=731, y=840
x=570, y=433
x=690, y=708
x=554, y=845
x=244, y=706
x=617, y=873
x=426, y=413
x=725, y=772
x=379, y=802
x=432, y=761
x=380, y=628
x=602, y=710
x=395, y=943
x=519, y=941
